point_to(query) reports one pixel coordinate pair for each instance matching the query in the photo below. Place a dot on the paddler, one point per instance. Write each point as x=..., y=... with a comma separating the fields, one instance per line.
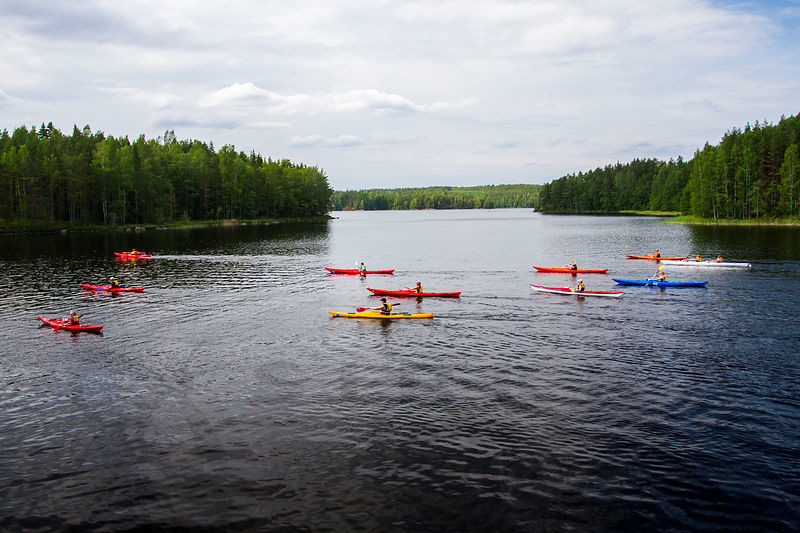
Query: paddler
x=659, y=275
x=718, y=259
x=74, y=319
x=657, y=255
x=362, y=268
x=418, y=288
x=581, y=287
x=134, y=252
x=385, y=308
x=573, y=265
x=113, y=282
x=698, y=258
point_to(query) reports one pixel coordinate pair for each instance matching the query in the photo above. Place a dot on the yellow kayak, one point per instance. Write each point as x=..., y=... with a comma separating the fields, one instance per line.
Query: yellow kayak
x=381, y=316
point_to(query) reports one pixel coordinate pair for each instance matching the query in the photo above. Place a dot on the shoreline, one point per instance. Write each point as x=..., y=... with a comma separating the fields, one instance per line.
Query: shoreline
x=696, y=221
x=81, y=228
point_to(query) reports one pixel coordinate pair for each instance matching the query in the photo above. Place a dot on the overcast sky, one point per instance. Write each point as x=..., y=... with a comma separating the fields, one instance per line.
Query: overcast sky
x=407, y=93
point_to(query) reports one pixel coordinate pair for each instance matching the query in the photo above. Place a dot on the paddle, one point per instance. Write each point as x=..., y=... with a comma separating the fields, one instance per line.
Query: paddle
x=362, y=309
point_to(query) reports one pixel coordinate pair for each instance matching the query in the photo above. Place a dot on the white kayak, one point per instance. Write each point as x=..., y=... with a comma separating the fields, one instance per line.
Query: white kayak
x=571, y=292
x=691, y=263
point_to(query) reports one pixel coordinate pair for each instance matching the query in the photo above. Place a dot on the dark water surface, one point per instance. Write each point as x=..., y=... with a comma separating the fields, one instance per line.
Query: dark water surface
x=225, y=397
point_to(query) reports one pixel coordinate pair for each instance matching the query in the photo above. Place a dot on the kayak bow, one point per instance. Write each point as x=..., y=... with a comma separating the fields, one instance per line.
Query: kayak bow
x=381, y=292
x=62, y=324
x=569, y=292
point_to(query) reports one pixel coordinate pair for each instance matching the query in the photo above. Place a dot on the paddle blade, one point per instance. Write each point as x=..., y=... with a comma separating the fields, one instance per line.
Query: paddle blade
x=360, y=309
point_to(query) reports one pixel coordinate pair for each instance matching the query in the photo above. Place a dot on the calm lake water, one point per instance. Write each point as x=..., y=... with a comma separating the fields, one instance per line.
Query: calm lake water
x=225, y=397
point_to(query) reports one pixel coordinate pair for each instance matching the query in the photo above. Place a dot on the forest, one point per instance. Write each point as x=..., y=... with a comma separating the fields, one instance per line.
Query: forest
x=478, y=197
x=752, y=173
x=87, y=178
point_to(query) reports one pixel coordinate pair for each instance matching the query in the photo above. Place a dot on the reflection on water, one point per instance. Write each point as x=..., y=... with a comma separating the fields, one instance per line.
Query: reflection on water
x=224, y=396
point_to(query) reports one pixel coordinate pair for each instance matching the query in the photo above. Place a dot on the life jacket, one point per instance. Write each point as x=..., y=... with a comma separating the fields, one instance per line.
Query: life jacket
x=114, y=284
x=574, y=266
x=386, y=308
x=418, y=289
x=581, y=287
x=74, y=320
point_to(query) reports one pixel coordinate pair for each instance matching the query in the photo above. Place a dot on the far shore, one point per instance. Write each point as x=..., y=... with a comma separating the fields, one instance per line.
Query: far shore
x=17, y=229
x=692, y=220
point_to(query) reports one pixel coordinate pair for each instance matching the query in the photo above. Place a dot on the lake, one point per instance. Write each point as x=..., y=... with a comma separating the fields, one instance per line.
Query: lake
x=225, y=397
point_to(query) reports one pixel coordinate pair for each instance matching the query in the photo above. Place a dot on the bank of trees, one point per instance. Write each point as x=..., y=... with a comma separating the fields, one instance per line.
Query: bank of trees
x=751, y=173
x=480, y=197
x=47, y=177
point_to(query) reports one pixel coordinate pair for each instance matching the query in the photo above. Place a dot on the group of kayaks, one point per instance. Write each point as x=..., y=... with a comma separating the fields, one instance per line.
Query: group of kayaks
x=664, y=260
x=401, y=293
x=65, y=324
x=566, y=291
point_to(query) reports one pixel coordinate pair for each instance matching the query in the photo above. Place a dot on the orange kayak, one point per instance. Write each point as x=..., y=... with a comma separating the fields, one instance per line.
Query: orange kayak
x=652, y=257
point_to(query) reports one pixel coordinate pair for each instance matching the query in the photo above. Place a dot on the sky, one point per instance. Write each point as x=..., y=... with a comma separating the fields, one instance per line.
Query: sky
x=408, y=93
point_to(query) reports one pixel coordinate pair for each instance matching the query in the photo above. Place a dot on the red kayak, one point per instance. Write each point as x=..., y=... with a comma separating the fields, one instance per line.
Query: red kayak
x=381, y=292
x=357, y=271
x=652, y=257
x=126, y=255
x=62, y=324
x=565, y=270
x=108, y=288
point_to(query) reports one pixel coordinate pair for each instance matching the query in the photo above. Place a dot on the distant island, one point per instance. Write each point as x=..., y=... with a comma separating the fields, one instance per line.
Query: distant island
x=51, y=180
x=477, y=197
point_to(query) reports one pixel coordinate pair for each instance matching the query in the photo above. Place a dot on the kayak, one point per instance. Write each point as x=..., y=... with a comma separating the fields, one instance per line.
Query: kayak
x=570, y=292
x=565, y=270
x=692, y=262
x=652, y=257
x=108, y=288
x=357, y=271
x=62, y=324
x=381, y=292
x=380, y=316
x=654, y=283
x=126, y=256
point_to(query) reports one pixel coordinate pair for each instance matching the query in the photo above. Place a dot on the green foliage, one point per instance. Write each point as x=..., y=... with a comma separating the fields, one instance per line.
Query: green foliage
x=47, y=178
x=754, y=173
x=479, y=197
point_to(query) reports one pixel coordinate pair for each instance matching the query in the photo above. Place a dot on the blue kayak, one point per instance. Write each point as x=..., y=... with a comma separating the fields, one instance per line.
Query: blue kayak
x=653, y=283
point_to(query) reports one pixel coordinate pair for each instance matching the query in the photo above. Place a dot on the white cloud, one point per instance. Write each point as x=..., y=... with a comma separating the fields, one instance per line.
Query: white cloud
x=248, y=94
x=340, y=141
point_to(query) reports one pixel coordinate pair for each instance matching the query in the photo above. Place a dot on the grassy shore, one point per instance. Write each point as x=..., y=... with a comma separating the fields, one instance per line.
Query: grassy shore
x=13, y=228
x=688, y=219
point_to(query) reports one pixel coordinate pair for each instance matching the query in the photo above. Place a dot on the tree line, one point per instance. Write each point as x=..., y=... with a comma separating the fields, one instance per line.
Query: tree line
x=47, y=177
x=751, y=173
x=478, y=197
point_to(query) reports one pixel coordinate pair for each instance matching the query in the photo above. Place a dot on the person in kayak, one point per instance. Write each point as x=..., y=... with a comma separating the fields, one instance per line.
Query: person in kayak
x=134, y=252
x=113, y=282
x=718, y=259
x=573, y=265
x=657, y=255
x=362, y=268
x=698, y=258
x=418, y=288
x=581, y=287
x=74, y=319
x=385, y=308
x=659, y=275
